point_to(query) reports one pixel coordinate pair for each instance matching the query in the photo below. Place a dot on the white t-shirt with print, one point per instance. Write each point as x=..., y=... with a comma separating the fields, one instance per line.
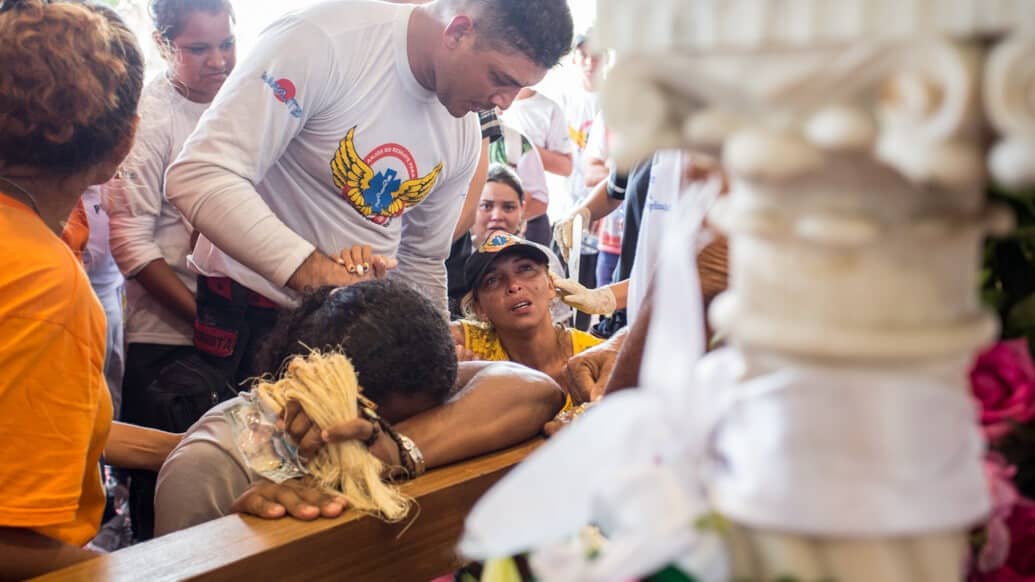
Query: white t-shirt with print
x=580, y=109
x=322, y=138
x=542, y=120
x=144, y=226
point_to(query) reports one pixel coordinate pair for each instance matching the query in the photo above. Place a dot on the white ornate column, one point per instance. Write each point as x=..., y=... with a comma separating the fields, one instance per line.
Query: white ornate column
x=855, y=135
x=835, y=432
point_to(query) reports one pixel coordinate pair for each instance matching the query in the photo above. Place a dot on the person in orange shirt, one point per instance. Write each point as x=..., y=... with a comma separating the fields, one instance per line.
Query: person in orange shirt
x=72, y=77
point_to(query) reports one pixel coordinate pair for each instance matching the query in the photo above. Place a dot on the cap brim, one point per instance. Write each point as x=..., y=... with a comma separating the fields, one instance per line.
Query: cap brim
x=487, y=259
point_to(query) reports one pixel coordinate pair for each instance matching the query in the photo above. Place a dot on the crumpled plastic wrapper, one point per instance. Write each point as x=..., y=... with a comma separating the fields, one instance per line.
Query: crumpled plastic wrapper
x=267, y=451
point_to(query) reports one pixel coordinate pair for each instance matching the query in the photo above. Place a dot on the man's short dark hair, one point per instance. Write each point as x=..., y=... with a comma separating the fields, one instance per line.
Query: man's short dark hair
x=398, y=342
x=540, y=29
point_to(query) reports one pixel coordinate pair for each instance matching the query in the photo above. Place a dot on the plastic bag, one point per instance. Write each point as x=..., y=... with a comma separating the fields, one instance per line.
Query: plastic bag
x=267, y=450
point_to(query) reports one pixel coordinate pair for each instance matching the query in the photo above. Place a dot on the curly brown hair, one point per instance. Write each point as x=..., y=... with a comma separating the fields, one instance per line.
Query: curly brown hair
x=395, y=336
x=71, y=76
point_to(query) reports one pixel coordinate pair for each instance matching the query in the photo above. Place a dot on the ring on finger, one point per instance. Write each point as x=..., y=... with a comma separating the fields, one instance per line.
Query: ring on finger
x=360, y=269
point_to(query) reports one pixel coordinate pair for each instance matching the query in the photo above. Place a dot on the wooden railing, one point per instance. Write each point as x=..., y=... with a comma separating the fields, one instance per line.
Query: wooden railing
x=351, y=547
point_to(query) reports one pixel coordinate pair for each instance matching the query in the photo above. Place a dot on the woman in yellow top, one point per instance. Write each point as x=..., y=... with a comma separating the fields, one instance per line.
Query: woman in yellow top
x=508, y=310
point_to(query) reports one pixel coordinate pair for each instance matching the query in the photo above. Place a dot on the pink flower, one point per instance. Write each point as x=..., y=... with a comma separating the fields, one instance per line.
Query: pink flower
x=1003, y=381
x=1004, y=497
x=1022, y=539
x=1008, y=554
x=1001, y=575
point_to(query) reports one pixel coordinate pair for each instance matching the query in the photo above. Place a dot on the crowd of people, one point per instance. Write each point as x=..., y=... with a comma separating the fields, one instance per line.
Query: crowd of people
x=372, y=179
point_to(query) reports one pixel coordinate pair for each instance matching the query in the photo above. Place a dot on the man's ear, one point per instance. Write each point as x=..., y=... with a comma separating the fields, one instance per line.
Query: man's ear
x=459, y=27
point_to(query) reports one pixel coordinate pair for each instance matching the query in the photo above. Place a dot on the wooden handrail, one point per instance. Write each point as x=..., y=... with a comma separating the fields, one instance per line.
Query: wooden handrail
x=351, y=547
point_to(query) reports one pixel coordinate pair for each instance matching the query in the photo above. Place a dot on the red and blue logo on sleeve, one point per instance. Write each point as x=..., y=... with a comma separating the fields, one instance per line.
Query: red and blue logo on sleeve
x=284, y=90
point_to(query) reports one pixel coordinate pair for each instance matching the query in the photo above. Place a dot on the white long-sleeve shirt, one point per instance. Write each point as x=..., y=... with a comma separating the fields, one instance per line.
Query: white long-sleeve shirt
x=307, y=143
x=144, y=226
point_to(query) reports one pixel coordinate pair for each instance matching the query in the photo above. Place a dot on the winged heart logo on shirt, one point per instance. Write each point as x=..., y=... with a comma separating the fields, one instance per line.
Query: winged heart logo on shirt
x=380, y=196
x=580, y=135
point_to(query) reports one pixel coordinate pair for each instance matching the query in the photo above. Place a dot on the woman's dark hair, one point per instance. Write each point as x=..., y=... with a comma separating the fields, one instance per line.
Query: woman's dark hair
x=170, y=16
x=502, y=174
x=398, y=342
x=71, y=76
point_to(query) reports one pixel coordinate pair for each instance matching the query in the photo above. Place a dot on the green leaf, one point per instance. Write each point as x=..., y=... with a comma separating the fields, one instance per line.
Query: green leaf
x=993, y=298
x=670, y=574
x=1021, y=317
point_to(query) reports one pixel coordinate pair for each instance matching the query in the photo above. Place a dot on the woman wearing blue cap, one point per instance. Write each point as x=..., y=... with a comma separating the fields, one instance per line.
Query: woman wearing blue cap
x=508, y=310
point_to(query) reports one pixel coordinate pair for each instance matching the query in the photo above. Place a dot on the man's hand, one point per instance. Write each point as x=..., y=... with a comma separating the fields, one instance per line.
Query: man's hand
x=318, y=270
x=601, y=301
x=299, y=498
x=589, y=370
x=562, y=231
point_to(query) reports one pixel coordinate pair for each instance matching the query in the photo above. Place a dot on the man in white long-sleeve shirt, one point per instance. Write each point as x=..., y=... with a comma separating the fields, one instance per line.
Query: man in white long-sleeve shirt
x=348, y=125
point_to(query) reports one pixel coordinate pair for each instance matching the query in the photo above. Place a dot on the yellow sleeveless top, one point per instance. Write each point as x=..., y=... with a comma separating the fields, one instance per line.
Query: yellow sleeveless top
x=485, y=344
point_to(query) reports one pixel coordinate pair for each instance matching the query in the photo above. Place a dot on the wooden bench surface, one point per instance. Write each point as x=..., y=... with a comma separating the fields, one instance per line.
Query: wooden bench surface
x=351, y=547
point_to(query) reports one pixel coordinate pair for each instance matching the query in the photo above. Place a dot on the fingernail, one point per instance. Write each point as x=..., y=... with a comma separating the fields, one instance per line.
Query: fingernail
x=325, y=436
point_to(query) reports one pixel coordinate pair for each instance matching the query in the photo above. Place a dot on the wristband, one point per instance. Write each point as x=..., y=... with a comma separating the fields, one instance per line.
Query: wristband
x=616, y=184
x=491, y=127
